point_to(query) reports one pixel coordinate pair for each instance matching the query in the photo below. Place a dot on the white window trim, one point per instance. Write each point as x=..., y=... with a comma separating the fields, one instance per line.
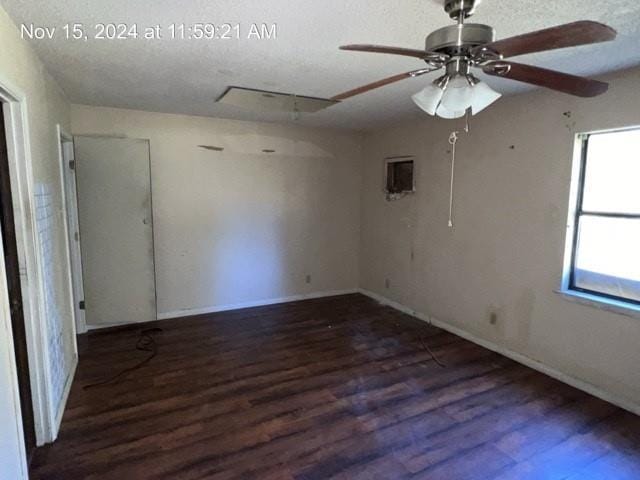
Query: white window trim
x=601, y=302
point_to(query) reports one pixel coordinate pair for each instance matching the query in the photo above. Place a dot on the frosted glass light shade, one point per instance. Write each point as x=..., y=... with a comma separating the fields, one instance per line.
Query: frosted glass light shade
x=429, y=98
x=458, y=94
x=449, y=114
x=456, y=98
x=482, y=96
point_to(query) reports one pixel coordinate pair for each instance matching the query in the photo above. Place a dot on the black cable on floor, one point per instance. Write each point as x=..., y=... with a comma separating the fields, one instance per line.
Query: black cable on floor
x=426, y=347
x=145, y=343
x=419, y=332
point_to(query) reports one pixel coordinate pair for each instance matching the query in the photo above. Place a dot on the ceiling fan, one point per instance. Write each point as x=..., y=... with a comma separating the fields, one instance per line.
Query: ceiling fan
x=461, y=47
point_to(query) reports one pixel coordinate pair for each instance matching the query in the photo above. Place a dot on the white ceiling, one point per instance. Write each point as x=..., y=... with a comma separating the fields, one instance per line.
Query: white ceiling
x=187, y=76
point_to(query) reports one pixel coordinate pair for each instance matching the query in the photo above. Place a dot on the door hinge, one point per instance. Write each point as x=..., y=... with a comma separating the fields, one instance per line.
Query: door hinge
x=76, y=236
x=72, y=164
x=81, y=304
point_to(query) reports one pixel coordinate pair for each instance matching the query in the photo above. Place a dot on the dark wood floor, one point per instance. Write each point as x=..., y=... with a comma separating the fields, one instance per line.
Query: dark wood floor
x=331, y=388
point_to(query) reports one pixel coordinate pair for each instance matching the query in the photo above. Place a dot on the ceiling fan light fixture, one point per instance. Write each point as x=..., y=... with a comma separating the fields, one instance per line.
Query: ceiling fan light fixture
x=482, y=96
x=429, y=98
x=465, y=46
x=443, y=112
x=458, y=94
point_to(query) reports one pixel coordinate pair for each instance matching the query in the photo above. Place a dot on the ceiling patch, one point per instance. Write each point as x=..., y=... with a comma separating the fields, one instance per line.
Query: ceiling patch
x=265, y=101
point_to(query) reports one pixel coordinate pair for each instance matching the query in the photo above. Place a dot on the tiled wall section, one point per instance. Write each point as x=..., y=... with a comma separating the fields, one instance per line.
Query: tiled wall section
x=60, y=367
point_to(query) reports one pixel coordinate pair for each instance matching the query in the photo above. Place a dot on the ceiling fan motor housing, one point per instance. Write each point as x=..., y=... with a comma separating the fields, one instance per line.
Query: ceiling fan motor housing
x=459, y=39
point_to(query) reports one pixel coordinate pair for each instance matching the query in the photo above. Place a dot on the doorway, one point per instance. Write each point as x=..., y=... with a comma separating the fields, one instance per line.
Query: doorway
x=12, y=267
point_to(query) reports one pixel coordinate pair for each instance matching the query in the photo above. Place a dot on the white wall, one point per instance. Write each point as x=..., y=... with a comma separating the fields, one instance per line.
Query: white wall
x=44, y=105
x=505, y=253
x=242, y=226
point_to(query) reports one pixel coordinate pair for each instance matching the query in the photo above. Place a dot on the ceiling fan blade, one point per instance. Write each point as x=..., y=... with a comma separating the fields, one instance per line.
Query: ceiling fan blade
x=382, y=83
x=407, y=52
x=569, y=35
x=562, y=82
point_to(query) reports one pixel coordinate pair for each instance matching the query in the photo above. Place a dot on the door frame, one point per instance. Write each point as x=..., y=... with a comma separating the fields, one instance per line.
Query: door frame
x=13, y=455
x=72, y=227
x=15, y=111
x=13, y=452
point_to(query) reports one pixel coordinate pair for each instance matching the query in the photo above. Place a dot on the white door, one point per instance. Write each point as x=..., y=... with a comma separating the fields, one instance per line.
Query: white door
x=116, y=230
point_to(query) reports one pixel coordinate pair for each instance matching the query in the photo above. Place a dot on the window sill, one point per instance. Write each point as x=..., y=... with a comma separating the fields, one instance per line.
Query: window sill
x=602, y=303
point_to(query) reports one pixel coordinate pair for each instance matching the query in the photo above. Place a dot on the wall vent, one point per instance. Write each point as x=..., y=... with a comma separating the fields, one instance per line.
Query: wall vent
x=399, y=176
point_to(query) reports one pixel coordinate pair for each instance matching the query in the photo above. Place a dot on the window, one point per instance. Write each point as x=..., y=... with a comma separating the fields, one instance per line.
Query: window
x=399, y=175
x=605, y=251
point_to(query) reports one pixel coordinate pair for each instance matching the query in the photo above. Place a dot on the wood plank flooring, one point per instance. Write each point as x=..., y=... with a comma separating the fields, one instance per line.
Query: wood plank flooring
x=339, y=387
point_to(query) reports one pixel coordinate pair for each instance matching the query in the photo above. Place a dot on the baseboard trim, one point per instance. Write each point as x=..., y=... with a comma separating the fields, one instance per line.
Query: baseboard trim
x=587, y=387
x=257, y=303
x=63, y=401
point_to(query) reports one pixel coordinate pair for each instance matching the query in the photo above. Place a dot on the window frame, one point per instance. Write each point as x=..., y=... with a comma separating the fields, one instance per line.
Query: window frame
x=577, y=212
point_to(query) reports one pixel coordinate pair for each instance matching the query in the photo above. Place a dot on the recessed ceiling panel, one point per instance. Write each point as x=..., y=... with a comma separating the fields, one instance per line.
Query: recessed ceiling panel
x=265, y=101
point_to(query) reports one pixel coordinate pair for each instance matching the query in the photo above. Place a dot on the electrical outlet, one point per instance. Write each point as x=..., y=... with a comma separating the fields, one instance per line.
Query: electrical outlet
x=307, y=279
x=387, y=283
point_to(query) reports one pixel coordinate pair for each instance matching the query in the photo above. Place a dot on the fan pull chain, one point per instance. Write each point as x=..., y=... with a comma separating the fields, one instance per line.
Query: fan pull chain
x=453, y=139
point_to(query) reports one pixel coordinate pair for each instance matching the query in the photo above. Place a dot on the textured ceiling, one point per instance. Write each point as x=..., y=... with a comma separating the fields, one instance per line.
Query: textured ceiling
x=186, y=76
